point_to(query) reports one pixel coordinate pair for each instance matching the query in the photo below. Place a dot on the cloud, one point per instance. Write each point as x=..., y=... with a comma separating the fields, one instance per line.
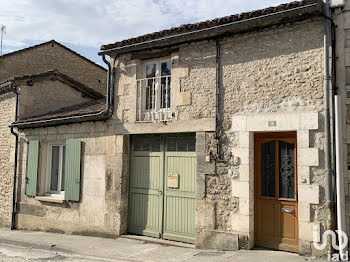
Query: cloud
x=91, y=23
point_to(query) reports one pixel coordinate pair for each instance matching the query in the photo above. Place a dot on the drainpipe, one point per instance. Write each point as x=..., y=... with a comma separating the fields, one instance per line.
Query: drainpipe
x=13, y=215
x=327, y=146
x=340, y=174
x=217, y=103
x=217, y=97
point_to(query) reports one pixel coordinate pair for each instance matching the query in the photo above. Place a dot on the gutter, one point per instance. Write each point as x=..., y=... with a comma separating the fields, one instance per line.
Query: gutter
x=215, y=31
x=100, y=116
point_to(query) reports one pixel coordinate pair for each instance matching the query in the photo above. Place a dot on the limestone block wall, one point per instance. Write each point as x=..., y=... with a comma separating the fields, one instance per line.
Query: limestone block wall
x=47, y=95
x=311, y=183
x=263, y=74
x=276, y=71
x=278, y=79
x=7, y=109
x=53, y=56
x=102, y=206
x=192, y=91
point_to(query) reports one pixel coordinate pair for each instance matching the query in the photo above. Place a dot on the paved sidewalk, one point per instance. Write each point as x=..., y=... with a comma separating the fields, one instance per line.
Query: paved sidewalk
x=124, y=249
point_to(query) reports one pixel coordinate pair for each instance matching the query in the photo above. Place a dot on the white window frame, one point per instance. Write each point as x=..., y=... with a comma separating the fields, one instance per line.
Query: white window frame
x=158, y=63
x=48, y=192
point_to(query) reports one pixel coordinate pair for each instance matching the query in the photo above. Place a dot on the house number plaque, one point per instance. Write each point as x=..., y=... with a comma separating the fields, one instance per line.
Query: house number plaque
x=272, y=123
x=173, y=181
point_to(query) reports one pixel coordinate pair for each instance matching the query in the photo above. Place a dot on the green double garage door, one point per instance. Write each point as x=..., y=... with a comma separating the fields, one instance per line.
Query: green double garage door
x=162, y=187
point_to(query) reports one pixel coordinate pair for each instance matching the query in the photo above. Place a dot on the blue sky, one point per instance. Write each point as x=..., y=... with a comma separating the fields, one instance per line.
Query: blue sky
x=84, y=25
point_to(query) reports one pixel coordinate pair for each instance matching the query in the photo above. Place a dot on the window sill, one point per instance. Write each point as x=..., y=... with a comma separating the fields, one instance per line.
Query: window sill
x=50, y=199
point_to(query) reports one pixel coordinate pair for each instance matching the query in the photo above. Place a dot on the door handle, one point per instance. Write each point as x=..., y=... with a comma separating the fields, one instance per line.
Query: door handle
x=160, y=193
x=287, y=210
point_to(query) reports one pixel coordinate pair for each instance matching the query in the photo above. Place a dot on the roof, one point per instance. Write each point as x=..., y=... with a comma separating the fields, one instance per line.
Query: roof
x=273, y=15
x=55, y=75
x=52, y=42
x=90, y=107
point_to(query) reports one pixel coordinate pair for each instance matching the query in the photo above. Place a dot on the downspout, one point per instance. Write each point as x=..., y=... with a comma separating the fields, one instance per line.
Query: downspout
x=13, y=214
x=109, y=91
x=217, y=97
x=327, y=146
x=217, y=103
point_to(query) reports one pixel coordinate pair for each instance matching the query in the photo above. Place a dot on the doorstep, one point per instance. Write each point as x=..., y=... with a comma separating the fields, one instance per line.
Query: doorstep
x=158, y=241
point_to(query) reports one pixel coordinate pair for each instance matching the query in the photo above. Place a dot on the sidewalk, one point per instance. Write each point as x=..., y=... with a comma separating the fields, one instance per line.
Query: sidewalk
x=125, y=249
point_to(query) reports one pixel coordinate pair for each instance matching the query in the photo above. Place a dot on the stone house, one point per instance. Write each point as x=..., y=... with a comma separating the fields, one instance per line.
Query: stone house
x=53, y=55
x=44, y=75
x=211, y=133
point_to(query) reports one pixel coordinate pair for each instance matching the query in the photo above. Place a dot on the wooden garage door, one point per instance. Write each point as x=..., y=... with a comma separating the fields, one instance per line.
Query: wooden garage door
x=162, y=187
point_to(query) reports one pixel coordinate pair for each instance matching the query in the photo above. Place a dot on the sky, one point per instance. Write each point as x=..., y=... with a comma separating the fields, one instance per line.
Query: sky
x=84, y=25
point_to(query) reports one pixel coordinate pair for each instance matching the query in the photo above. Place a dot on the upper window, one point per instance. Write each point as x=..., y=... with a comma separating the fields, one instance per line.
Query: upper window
x=56, y=169
x=154, y=91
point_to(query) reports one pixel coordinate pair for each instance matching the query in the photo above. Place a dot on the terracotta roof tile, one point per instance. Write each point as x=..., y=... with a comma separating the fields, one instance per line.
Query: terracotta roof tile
x=90, y=107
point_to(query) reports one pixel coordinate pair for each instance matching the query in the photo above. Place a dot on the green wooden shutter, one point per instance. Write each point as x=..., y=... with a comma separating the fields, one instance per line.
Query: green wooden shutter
x=32, y=167
x=72, y=170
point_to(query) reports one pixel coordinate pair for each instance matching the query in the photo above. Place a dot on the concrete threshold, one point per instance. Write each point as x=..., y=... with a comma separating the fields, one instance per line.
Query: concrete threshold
x=158, y=241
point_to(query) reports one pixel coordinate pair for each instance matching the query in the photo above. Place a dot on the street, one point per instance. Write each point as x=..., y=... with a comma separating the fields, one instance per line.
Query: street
x=137, y=251
x=23, y=254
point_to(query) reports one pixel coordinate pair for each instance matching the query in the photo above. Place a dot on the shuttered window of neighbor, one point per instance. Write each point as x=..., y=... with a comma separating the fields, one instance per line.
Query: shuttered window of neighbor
x=72, y=169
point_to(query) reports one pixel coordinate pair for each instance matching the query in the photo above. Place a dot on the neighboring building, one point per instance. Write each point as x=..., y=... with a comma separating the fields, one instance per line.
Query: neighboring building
x=39, y=94
x=50, y=55
x=212, y=133
x=341, y=18
x=79, y=80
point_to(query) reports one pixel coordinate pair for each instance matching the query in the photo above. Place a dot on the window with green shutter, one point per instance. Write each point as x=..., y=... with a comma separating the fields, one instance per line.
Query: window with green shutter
x=72, y=170
x=62, y=172
x=32, y=167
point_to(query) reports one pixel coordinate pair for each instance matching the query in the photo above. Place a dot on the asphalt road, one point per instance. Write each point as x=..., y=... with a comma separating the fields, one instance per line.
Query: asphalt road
x=28, y=254
x=10, y=253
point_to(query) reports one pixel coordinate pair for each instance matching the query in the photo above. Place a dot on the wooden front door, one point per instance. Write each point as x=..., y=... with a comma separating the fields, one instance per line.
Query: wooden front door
x=276, y=198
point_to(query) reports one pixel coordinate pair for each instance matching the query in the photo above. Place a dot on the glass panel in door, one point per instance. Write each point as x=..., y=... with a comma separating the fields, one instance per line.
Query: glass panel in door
x=267, y=169
x=286, y=170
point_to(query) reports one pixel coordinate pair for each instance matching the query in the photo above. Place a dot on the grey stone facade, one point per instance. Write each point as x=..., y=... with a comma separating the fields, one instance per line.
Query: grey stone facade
x=274, y=74
x=7, y=142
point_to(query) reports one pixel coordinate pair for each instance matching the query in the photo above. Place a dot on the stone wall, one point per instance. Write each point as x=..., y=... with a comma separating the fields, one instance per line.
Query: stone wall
x=7, y=141
x=276, y=72
x=274, y=80
x=47, y=95
x=53, y=56
x=103, y=201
